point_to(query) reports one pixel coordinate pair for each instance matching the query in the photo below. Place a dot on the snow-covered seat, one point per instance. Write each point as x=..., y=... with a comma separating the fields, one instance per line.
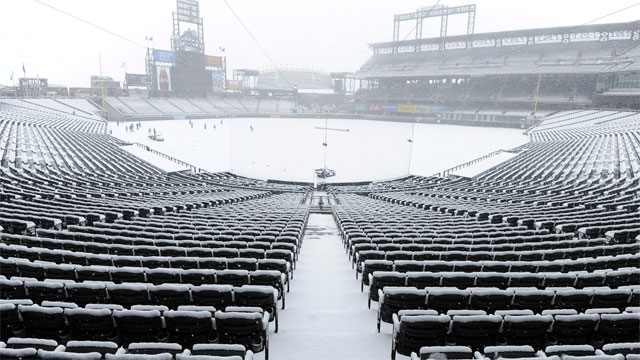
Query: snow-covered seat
x=189, y=327
x=249, y=329
x=232, y=277
x=82, y=293
x=394, y=299
x=171, y=295
x=526, y=329
x=128, y=294
x=475, y=330
x=619, y=327
x=490, y=300
x=139, y=326
x=574, y=329
x=218, y=296
x=44, y=322
x=444, y=299
x=413, y=330
x=262, y=296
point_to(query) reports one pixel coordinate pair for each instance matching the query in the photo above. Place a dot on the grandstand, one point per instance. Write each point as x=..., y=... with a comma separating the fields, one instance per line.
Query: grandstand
x=576, y=67
x=530, y=252
x=294, y=80
x=119, y=258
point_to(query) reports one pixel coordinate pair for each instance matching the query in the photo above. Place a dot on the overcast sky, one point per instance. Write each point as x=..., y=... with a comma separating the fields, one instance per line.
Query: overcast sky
x=329, y=35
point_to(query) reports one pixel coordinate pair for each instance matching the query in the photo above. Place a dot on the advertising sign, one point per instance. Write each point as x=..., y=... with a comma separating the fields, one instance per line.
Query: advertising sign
x=163, y=74
x=234, y=84
x=164, y=56
x=406, y=108
x=389, y=108
x=375, y=107
x=217, y=81
x=215, y=61
x=360, y=107
x=138, y=79
x=422, y=109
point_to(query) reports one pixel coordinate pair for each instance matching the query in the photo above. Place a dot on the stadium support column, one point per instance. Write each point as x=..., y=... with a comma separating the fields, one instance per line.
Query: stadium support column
x=444, y=21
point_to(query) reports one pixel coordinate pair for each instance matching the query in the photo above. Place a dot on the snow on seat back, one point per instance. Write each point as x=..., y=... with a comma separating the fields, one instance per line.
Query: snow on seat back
x=136, y=313
x=128, y=286
x=18, y=354
x=414, y=312
x=244, y=309
x=601, y=311
x=576, y=350
x=153, y=348
x=475, y=318
x=595, y=357
x=59, y=355
x=449, y=352
x=208, y=357
x=187, y=314
x=528, y=318
x=39, y=309
x=509, y=351
x=201, y=348
x=60, y=304
x=515, y=312
x=160, y=308
x=16, y=343
x=112, y=307
x=165, y=356
x=554, y=312
x=465, y=312
x=238, y=315
x=621, y=348
x=198, y=308
x=17, y=302
x=91, y=346
x=399, y=290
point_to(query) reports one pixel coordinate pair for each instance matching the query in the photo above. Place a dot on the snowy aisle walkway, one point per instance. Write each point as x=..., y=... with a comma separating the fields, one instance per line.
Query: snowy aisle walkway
x=326, y=317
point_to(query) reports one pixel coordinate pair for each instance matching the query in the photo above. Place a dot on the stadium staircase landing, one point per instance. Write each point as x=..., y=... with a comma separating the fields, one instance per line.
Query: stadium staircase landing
x=326, y=315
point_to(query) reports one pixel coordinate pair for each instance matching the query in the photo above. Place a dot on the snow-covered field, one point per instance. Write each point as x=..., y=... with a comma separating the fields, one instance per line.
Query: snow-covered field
x=290, y=149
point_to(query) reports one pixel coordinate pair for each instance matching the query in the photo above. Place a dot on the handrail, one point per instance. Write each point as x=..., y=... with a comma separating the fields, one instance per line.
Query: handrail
x=193, y=168
x=446, y=172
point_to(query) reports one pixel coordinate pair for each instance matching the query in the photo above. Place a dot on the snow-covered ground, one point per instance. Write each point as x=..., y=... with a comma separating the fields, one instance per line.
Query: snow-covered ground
x=326, y=315
x=290, y=149
x=158, y=161
x=484, y=165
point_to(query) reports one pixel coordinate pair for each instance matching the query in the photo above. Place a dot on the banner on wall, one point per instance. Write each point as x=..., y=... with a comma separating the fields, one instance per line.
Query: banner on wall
x=422, y=109
x=360, y=107
x=163, y=74
x=375, y=107
x=214, y=61
x=217, y=81
x=389, y=108
x=406, y=108
x=234, y=84
x=164, y=56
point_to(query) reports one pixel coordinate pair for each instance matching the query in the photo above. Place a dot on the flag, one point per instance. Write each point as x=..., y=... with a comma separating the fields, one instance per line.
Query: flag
x=123, y=65
x=151, y=38
x=11, y=75
x=23, y=69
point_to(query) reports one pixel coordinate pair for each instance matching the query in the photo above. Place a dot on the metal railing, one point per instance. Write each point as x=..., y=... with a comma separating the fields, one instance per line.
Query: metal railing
x=191, y=167
x=446, y=172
